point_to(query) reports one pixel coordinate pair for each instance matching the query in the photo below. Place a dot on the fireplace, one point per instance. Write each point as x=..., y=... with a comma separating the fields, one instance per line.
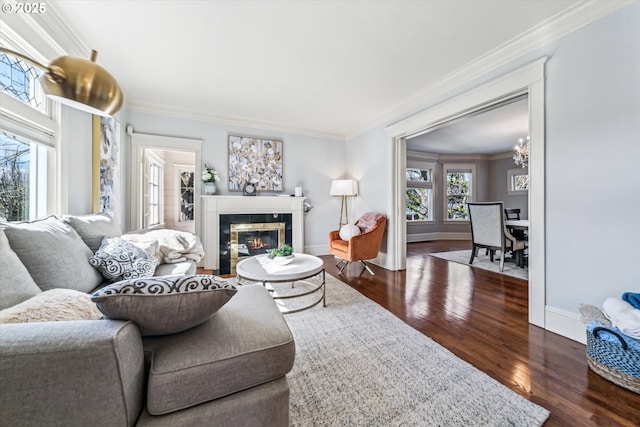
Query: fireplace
x=254, y=239
x=220, y=212
x=245, y=235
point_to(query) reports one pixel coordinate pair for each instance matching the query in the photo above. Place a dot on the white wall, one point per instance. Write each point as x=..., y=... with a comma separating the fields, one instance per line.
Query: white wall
x=593, y=150
x=77, y=163
x=309, y=162
x=593, y=147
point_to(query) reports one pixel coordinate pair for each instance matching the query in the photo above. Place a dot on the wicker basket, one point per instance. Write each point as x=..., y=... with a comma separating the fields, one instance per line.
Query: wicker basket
x=616, y=362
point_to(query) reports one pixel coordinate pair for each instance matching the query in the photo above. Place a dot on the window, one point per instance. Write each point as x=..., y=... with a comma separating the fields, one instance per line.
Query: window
x=19, y=80
x=419, y=199
x=154, y=194
x=27, y=172
x=185, y=193
x=517, y=181
x=458, y=190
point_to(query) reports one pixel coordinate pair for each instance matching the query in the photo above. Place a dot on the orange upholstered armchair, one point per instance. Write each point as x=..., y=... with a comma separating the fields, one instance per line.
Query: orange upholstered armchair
x=362, y=246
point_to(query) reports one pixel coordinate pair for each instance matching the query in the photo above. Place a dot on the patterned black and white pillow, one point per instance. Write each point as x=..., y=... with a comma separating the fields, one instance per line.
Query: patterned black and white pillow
x=118, y=259
x=165, y=304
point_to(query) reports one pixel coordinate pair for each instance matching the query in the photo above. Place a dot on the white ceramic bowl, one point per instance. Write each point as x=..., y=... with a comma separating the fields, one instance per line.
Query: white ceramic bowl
x=283, y=260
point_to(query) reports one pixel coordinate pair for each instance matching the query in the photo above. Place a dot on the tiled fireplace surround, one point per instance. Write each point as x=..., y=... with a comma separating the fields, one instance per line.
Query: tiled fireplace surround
x=247, y=209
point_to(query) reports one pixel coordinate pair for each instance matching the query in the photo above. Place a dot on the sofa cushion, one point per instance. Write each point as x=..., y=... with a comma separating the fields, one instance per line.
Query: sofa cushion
x=118, y=259
x=16, y=284
x=93, y=228
x=245, y=344
x=52, y=305
x=164, y=305
x=54, y=254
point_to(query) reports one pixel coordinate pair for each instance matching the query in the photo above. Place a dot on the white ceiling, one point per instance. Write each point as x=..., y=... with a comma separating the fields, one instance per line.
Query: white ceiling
x=324, y=67
x=490, y=132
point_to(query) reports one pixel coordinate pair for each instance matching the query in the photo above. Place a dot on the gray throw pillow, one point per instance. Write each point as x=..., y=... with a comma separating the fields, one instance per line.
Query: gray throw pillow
x=16, y=285
x=118, y=259
x=93, y=228
x=164, y=305
x=54, y=254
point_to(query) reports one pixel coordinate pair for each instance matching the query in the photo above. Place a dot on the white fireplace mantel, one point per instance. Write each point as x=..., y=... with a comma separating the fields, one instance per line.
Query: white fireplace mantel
x=214, y=206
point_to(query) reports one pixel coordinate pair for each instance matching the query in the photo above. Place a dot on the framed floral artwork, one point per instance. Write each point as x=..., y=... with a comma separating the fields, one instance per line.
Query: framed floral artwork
x=256, y=161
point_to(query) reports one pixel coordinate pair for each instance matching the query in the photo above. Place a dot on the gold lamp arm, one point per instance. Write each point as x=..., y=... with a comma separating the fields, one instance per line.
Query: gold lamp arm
x=56, y=73
x=79, y=83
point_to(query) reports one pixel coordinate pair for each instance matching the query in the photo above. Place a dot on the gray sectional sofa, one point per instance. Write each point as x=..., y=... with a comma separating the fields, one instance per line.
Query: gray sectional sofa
x=228, y=371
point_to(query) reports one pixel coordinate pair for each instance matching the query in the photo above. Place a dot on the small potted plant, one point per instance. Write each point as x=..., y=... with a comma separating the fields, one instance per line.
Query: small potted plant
x=282, y=255
x=209, y=177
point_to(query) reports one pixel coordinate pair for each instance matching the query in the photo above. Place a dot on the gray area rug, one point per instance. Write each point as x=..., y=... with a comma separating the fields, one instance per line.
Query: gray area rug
x=359, y=365
x=483, y=261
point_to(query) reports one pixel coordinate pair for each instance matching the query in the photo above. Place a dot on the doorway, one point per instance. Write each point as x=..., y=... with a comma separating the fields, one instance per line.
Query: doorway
x=165, y=190
x=527, y=80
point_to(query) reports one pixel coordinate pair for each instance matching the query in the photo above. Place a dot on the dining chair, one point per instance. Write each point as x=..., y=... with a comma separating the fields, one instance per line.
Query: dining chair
x=514, y=213
x=488, y=231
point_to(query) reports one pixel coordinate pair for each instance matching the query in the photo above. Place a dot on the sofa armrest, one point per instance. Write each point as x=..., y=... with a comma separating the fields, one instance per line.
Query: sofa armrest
x=88, y=372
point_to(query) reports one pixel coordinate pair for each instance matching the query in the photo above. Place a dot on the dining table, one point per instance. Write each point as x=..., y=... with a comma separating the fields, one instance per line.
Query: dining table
x=517, y=224
x=523, y=226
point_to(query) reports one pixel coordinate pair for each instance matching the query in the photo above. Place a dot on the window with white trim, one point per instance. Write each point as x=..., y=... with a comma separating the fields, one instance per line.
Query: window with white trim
x=27, y=143
x=419, y=187
x=153, y=194
x=458, y=191
x=517, y=181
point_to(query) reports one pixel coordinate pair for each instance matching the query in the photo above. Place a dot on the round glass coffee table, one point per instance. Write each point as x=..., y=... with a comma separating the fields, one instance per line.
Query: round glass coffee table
x=263, y=270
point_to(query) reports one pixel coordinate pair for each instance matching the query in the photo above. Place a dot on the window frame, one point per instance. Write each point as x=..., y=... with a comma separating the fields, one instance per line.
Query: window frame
x=42, y=131
x=432, y=168
x=511, y=181
x=153, y=160
x=448, y=168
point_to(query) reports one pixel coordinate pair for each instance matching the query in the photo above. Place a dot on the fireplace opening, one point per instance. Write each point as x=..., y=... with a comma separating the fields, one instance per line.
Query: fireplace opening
x=254, y=239
x=245, y=235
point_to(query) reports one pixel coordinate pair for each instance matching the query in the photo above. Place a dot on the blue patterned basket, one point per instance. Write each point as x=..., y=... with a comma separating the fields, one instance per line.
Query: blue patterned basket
x=616, y=362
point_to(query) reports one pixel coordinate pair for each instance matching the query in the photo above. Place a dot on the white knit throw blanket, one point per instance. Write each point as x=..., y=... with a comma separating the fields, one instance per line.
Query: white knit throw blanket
x=173, y=246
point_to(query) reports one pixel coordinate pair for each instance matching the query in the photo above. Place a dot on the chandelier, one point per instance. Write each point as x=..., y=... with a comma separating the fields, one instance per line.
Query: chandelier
x=521, y=156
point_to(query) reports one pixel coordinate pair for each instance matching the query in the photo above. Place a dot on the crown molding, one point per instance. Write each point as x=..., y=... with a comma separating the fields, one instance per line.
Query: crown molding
x=143, y=107
x=567, y=21
x=54, y=23
x=50, y=34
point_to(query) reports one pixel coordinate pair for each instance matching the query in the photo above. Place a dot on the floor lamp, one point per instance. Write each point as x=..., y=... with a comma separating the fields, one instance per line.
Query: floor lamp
x=344, y=188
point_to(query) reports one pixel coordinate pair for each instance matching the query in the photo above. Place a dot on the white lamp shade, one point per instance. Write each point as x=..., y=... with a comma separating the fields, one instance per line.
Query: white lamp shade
x=344, y=187
x=348, y=231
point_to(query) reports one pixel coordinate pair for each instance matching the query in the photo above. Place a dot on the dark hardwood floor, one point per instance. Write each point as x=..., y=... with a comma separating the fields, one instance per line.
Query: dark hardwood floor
x=482, y=318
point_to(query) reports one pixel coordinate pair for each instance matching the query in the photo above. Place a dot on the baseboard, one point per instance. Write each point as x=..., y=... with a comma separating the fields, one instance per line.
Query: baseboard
x=317, y=250
x=565, y=323
x=428, y=237
x=381, y=260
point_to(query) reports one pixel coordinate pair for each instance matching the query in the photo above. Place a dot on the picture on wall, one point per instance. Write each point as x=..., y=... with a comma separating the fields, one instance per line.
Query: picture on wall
x=106, y=156
x=255, y=160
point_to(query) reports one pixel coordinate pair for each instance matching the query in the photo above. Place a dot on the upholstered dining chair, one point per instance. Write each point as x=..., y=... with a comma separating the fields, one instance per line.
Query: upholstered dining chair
x=360, y=247
x=488, y=231
x=514, y=213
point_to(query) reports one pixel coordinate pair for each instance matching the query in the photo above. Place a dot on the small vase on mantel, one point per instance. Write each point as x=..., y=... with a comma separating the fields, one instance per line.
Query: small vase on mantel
x=209, y=188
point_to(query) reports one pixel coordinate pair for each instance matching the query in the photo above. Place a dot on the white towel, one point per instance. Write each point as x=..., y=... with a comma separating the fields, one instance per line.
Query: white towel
x=623, y=316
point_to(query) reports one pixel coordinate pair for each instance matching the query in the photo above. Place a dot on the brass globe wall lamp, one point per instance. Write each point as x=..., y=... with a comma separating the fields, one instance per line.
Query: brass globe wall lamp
x=79, y=83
